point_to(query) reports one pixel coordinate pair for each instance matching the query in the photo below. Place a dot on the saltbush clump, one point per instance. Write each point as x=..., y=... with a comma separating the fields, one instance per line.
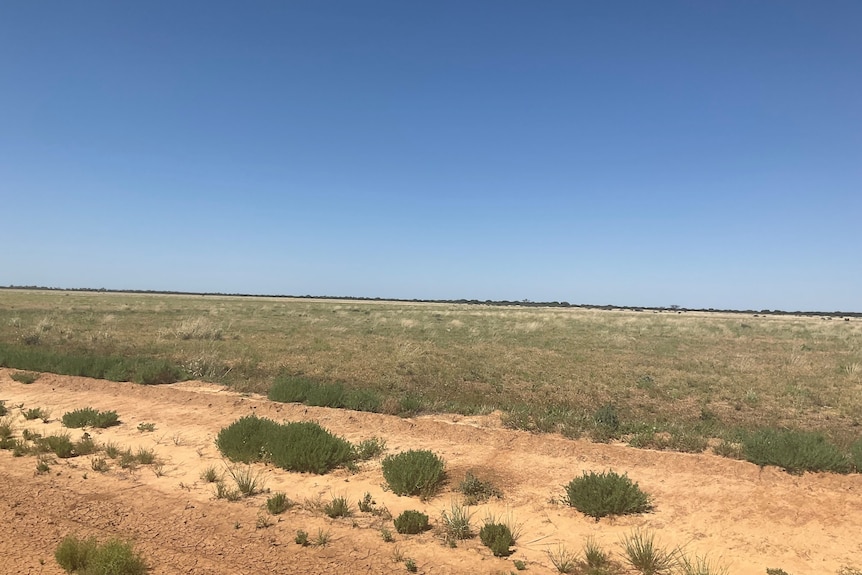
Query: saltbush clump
x=89, y=417
x=498, y=538
x=411, y=522
x=87, y=557
x=602, y=494
x=295, y=446
x=414, y=472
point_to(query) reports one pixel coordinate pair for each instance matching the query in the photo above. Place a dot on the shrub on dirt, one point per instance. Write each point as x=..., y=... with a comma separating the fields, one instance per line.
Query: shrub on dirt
x=363, y=400
x=25, y=377
x=601, y=494
x=414, y=472
x=370, y=448
x=794, y=451
x=456, y=523
x=60, y=445
x=338, y=507
x=87, y=557
x=89, y=417
x=295, y=446
x=497, y=537
x=645, y=556
x=411, y=522
x=278, y=503
x=35, y=413
x=477, y=491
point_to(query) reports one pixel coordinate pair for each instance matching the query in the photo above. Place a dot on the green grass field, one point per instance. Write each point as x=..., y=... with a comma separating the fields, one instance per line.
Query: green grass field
x=548, y=369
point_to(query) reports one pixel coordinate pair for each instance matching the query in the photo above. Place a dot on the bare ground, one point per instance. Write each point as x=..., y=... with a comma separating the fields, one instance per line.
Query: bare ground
x=746, y=518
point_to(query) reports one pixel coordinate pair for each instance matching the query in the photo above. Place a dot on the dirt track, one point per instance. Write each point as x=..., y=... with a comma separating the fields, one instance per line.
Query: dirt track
x=748, y=518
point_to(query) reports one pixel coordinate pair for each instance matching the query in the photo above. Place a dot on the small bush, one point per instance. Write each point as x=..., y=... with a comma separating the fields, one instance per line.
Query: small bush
x=411, y=522
x=145, y=427
x=602, y=494
x=325, y=395
x=563, y=560
x=25, y=377
x=370, y=448
x=35, y=413
x=595, y=557
x=363, y=400
x=606, y=417
x=210, y=474
x=222, y=491
x=85, y=446
x=793, y=451
x=410, y=565
x=145, y=456
x=247, y=481
x=415, y=472
x=301, y=538
x=477, y=491
x=338, y=507
x=99, y=464
x=89, y=417
x=296, y=446
x=59, y=445
x=87, y=557
x=278, y=503
x=498, y=538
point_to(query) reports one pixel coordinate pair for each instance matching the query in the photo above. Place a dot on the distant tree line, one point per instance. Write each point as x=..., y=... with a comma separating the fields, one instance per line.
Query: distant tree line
x=487, y=302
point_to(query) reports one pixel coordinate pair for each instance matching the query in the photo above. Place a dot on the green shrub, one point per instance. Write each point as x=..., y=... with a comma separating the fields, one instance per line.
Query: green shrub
x=295, y=446
x=602, y=494
x=370, y=448
x=301, y=537
x=325, y=395
x=498, y=538
x=363, y=400
x=338, y=507
x=73, y=554
x=59, y=445
x=278, y=503
x=89, y=417
x=25, y=377
x=642, y=553
x=793, y=451
x=411, y=522
x=414, y=472
x=35, y=413
x=290, y=389
x=85, y=445
x=476, y=491
x=456, y=523
x=87, y=557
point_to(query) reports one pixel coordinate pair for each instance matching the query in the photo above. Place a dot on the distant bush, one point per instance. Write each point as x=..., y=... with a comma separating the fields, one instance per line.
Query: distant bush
x=415, y=472
x=411, y=522
x=793, y=451
x=295, y=446
x=89, y=417
x=290, y=389
x=601, y=494
x=59, y=445
x=87, y=557
x=299, y=389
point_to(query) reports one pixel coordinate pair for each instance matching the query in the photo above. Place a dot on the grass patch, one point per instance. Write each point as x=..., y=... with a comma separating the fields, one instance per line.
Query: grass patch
x=300, y=389
x=114, y=368
x=370, y=448
x=497, y=537
x=793, y=451
x=58, y=444
x=601, y=494
x=477, y=491
x=457, y=522
x=89, y=417
x=338, y=507
x=278, y=503
x=644, y=555
x=563, y=559
x=295, y=446
x=35, y=413
x=87, y=557
x=414, y=472
x=411, y=522
x=25, y=377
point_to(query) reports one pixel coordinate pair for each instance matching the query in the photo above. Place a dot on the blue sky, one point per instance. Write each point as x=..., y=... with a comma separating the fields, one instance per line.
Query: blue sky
x=703, y=154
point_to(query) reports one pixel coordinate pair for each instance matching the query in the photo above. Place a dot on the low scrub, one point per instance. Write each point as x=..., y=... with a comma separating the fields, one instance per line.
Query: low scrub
x=278, y=503
x=497, y=537
x=295, y=446
x=144, y=370
x=601, y=494
x=414, y=472
x=411, y=522
x=25, y=377
x=59, y=445
x=793, y=451
x=477, y=491
x=88, y=557
x=89, y=417
x=299, y=389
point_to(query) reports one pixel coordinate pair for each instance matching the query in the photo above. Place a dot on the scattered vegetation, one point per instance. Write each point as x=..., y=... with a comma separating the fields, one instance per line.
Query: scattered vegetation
x=248, y=482
x=456, y=522
x=88, y=557
x=414, y=472
x=497, y=537
x=295, y=446
x=146, y=427
x=370, y=448
x=411, y=522
x=301, y=537
x=338, y=507
x=35, y=413
x=601, y=494
x=211, y=474
x=89, y=417
x=300, y=389
x=564, y=560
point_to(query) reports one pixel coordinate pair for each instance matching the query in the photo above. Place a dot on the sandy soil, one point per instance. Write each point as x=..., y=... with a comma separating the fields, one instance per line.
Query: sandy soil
x=747, y=518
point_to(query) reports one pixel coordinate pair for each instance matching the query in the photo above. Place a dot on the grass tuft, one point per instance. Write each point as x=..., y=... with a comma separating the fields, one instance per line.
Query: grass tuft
x=793, y=451
x=644, y=555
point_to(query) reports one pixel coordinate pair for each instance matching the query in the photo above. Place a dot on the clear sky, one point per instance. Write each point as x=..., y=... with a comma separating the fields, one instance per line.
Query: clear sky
x=703, y=154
